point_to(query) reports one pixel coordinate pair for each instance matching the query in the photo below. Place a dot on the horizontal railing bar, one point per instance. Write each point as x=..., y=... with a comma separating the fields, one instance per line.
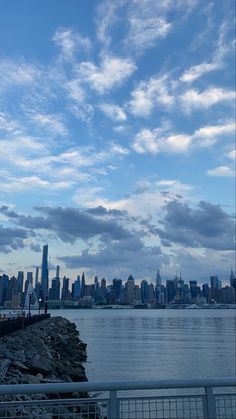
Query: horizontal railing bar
x=115, y=385
x=174, y=396
x=53, y=402
x=97, y=401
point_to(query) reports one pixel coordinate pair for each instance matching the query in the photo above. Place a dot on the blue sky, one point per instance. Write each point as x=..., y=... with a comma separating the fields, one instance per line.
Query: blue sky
x=117, y=139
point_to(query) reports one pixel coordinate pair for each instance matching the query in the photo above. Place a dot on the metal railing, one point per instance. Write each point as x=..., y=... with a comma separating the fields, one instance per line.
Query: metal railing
x=182, y=399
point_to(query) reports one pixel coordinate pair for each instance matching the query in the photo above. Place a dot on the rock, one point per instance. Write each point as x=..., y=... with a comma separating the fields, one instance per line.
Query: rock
x=52, y=352
x=19, y=365
x=4, y=368
x=30, y=379
x=40, y=364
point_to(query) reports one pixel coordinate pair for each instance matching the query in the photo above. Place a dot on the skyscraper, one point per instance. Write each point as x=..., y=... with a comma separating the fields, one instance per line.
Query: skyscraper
x=158, y=287
x=232, y=279
x=65, y=288
x=36, y=276
x=144, y=291
x=130, y=290
x=58, y=272
x=29, y=280
x=44, y=274
x=76, y=288
x=83, y=285
x=20, y=279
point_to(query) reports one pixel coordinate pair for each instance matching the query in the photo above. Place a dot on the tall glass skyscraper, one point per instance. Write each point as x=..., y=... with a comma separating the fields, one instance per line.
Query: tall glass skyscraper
x=44, y=273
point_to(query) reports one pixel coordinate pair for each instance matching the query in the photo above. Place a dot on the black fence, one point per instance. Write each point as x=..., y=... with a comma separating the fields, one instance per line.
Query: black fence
x=8, y=326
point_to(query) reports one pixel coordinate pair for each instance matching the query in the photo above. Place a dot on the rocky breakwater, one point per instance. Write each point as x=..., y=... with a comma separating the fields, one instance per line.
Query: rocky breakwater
x=47, y=352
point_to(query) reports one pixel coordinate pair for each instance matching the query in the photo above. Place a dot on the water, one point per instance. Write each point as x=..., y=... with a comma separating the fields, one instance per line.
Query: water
x=156, y=344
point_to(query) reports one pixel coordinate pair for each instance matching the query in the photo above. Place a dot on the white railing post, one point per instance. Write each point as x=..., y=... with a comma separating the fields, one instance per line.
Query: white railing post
x=210, y=404
x=114, y=412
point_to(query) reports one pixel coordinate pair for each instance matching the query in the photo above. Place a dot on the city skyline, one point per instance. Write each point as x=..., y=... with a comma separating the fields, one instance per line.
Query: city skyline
x=16, y=293
x=117, y=143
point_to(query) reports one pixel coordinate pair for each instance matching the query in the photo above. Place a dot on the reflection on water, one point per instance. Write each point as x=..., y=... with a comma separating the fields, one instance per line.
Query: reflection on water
x=156, y=344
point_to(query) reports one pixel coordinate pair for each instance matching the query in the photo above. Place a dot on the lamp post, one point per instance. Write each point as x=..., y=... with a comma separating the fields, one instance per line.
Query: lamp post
x=40, y=301
x=46, y=305
x=30, y=295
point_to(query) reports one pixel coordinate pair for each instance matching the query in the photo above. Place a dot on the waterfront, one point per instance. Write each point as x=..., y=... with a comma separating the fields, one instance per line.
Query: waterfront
x=156, y=344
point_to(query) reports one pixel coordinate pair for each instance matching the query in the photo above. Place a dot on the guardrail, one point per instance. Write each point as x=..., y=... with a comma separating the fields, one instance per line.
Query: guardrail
x=195, y=399
x=8, y=326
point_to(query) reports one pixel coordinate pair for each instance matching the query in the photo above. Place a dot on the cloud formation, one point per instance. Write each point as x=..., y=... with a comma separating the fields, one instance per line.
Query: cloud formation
x=111, y=72
x=70, y=224
x=11, y=239
x=70, y=41
x=206, y=226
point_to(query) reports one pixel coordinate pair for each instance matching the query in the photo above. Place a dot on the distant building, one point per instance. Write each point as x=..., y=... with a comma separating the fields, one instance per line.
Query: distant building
x=158, y=287
x=54, y=292
x=233, y=279
x=76, y=288
x=44, y=271
x=36, y=276
x=65, y=288
x=29, y=280
x=20, y=280
x=215, y=285
x=130, y=290
x=117, y=286
x=96, y=282
x=206, y=292
x=170, y=290
x=82, y=291
x=144, y=291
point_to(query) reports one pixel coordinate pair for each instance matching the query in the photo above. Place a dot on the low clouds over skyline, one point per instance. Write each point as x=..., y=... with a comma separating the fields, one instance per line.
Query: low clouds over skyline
x=125, y=242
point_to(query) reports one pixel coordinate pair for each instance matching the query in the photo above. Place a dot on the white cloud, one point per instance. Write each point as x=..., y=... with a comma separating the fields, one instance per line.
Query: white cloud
x=179, y=143
x=196, y=71
x=148, y=198
x=31, y=183
x=207, y=136
x=8, y=124
x=106, y=17
x=75, y=90
x=12, y=150
x=119, y=128
x=83, y=111
x=118, y=149
x=215, y=130
x=217, y=62
x=112, y=72
x=147, y=141
x=206, y=98
x=146, y=20
x=145, y=31
x=232, y=155
x=148, y=94
x=18, y=73
x=221, y=171
x=164, y=140
x=51, y=122
x=69, y=41
x=87, y=196
x=116, y=113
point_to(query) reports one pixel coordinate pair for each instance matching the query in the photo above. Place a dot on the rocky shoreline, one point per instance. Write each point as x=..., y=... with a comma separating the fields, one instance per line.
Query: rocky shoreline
x=47, y=352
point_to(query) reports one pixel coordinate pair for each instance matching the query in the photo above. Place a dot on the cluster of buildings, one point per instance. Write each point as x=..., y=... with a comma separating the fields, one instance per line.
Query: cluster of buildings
x=13, y=291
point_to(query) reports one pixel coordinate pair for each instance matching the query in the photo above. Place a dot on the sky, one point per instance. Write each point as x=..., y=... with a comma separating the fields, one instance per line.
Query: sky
x=117, y=137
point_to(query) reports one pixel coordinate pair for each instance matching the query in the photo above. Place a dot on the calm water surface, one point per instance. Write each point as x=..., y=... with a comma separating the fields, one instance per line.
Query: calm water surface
x=137, y=344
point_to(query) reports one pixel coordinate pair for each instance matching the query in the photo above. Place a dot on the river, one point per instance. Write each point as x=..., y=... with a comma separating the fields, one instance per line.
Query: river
x=132, y=344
